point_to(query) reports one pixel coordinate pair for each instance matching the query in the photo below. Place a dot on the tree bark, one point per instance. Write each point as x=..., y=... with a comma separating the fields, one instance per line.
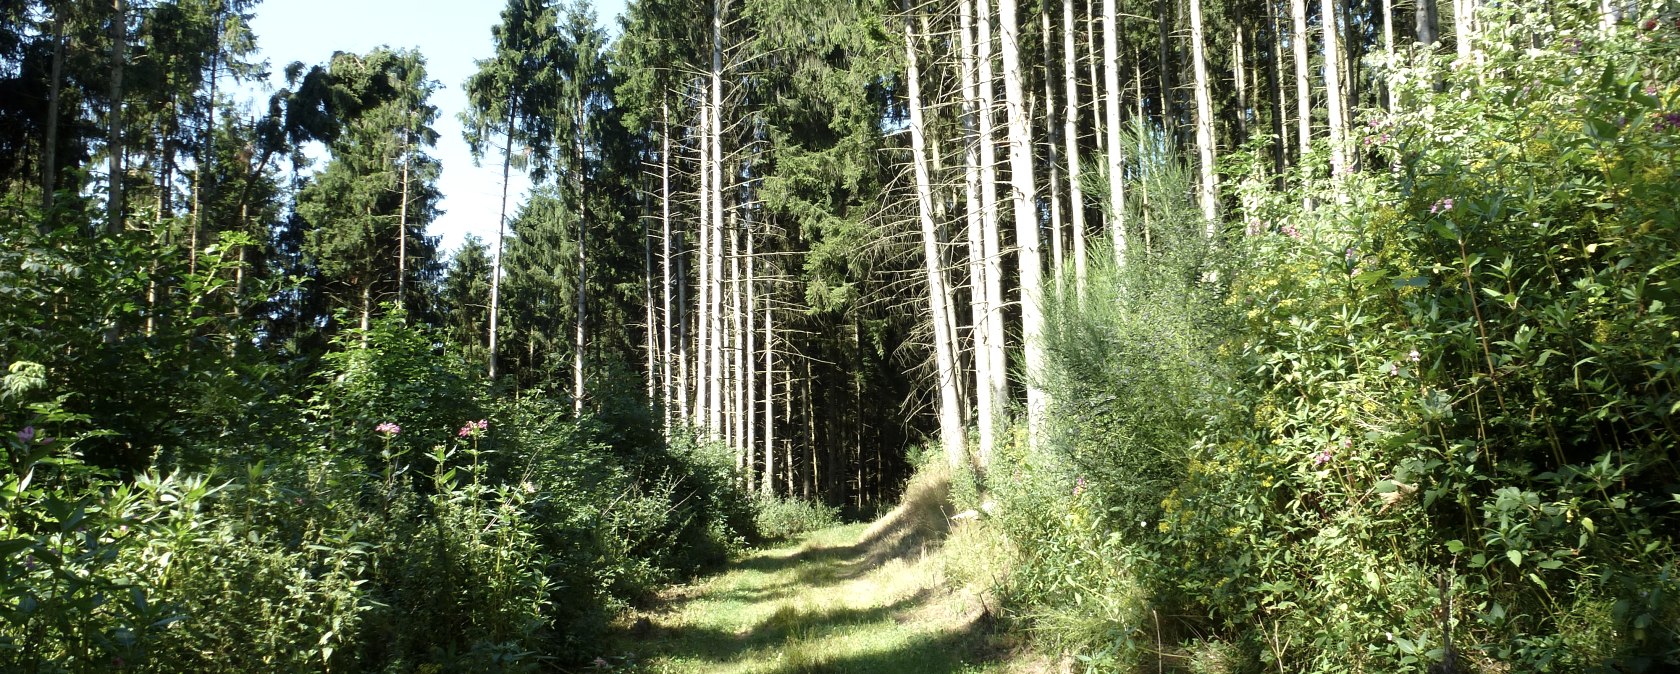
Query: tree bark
x=114, y=134
x=1303, y=82
x=1116, y=170
x=665, y=264
x=501, y=230
x=976, y=208
x=997, y=367
x=1333, y=90
x=1053, y=157
x=950, y=423
x=716, y=138
x=1070, y=136
x=1026, y=223
x=49, y=152
x=1208, y=189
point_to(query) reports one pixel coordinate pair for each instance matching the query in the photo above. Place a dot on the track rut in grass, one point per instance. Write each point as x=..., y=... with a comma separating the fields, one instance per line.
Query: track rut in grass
x=849, y=599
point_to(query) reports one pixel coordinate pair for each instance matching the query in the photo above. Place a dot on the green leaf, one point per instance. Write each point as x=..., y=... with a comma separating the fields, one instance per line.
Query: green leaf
x=1455, y=546
x=1514, y=556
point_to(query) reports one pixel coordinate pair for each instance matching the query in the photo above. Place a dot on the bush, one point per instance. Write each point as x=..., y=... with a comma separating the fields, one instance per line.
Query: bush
x=1445, y=406
x=778, y=517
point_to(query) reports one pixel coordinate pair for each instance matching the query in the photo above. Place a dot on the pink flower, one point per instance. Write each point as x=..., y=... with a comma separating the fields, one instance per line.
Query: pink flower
x=1414, y=356
x=1441, y=206
x=388, y=428
x=472, y=427
x=1322, y=458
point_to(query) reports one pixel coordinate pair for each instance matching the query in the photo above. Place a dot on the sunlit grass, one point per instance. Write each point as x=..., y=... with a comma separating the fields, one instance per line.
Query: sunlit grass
x=853, y=598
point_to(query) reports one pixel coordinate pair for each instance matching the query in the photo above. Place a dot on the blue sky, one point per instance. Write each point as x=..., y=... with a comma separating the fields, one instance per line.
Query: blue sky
x=451, y=34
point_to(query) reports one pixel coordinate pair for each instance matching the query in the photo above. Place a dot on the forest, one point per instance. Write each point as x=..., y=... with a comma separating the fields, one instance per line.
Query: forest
x=1245, y=335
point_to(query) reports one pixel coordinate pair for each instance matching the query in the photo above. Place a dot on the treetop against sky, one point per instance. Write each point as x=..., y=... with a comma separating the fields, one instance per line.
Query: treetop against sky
x=451, y=35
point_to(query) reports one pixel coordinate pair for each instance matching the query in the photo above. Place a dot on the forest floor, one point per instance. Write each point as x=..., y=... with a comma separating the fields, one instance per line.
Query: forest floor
x=858, y=598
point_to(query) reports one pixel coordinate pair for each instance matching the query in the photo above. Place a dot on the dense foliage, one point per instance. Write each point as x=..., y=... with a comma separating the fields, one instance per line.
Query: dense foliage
x=339, y=523
x=1427, y=422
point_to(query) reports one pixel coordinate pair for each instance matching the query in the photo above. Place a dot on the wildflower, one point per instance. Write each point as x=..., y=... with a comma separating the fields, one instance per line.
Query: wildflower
x=388, y=428
x=1414, y=356
x=1667, y=122
x=1394, y=369
x=1322, y=458
x=1291, y=232
x=1441, y=206
x=1650, y=24
x=1079, y=486
x=601, y=663
x=484, y=424
x=1347, y=443
x=26, y=435
x=1351, y=254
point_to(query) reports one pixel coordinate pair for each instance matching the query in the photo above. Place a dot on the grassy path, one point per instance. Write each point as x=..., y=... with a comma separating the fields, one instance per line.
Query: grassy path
x=854, y=598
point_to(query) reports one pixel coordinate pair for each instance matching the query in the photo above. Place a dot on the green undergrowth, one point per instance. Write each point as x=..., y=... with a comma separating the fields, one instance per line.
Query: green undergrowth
x=1426, y=424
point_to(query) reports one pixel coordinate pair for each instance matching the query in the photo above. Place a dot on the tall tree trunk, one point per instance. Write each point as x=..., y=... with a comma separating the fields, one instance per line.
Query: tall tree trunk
x=402, y=228
x=501, y=233
x=1299, y=39
x=737, y=332
x=1280, y=107
x=703, y=324
x=950, y=423
x=1239, y=72
x=1207, y=190
x=1428, y=23
x=1053, y=157
x=769, y=404
x=114, y=134
x=1464, y=30
x=997, y=367
x=582, y=269
x=651, y=332
x=1093, y=63
x=49, y=151
x=716, y=139
x=684, y=381
x=667, y=348
x=1116, y=170
x=1333, y=90
x=1388, y=51
x=977, y=284
x=1026, y=223
x=749, y=376
x=1070, y=136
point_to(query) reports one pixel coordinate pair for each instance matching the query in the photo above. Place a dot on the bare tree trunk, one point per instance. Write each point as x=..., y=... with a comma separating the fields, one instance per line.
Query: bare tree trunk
x=402, y=229
x=1239, y=72
x=1388, y=51
x=49, y=152
x=1093, y=62
x=1303, y=82
x=114, y=137
x=1057, y=254
x=1333, y=90
x=1070, y=136
x=1428, y=23
x=1208, y=189
x=1026, y=223
x=769, y=403
x=651, y=332
x=716, y=137
x=749, y=376
x=667, y=349
x=501, y=229
x=582, y=273
x=737, y=330
x=1116, y=170
x=977, y=284
x=950, y=423
x=703, y=325
x=997, y=367
x=1280, y=108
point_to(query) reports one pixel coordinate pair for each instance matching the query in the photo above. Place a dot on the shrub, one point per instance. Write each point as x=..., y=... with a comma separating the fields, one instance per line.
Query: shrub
x=783, y=517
